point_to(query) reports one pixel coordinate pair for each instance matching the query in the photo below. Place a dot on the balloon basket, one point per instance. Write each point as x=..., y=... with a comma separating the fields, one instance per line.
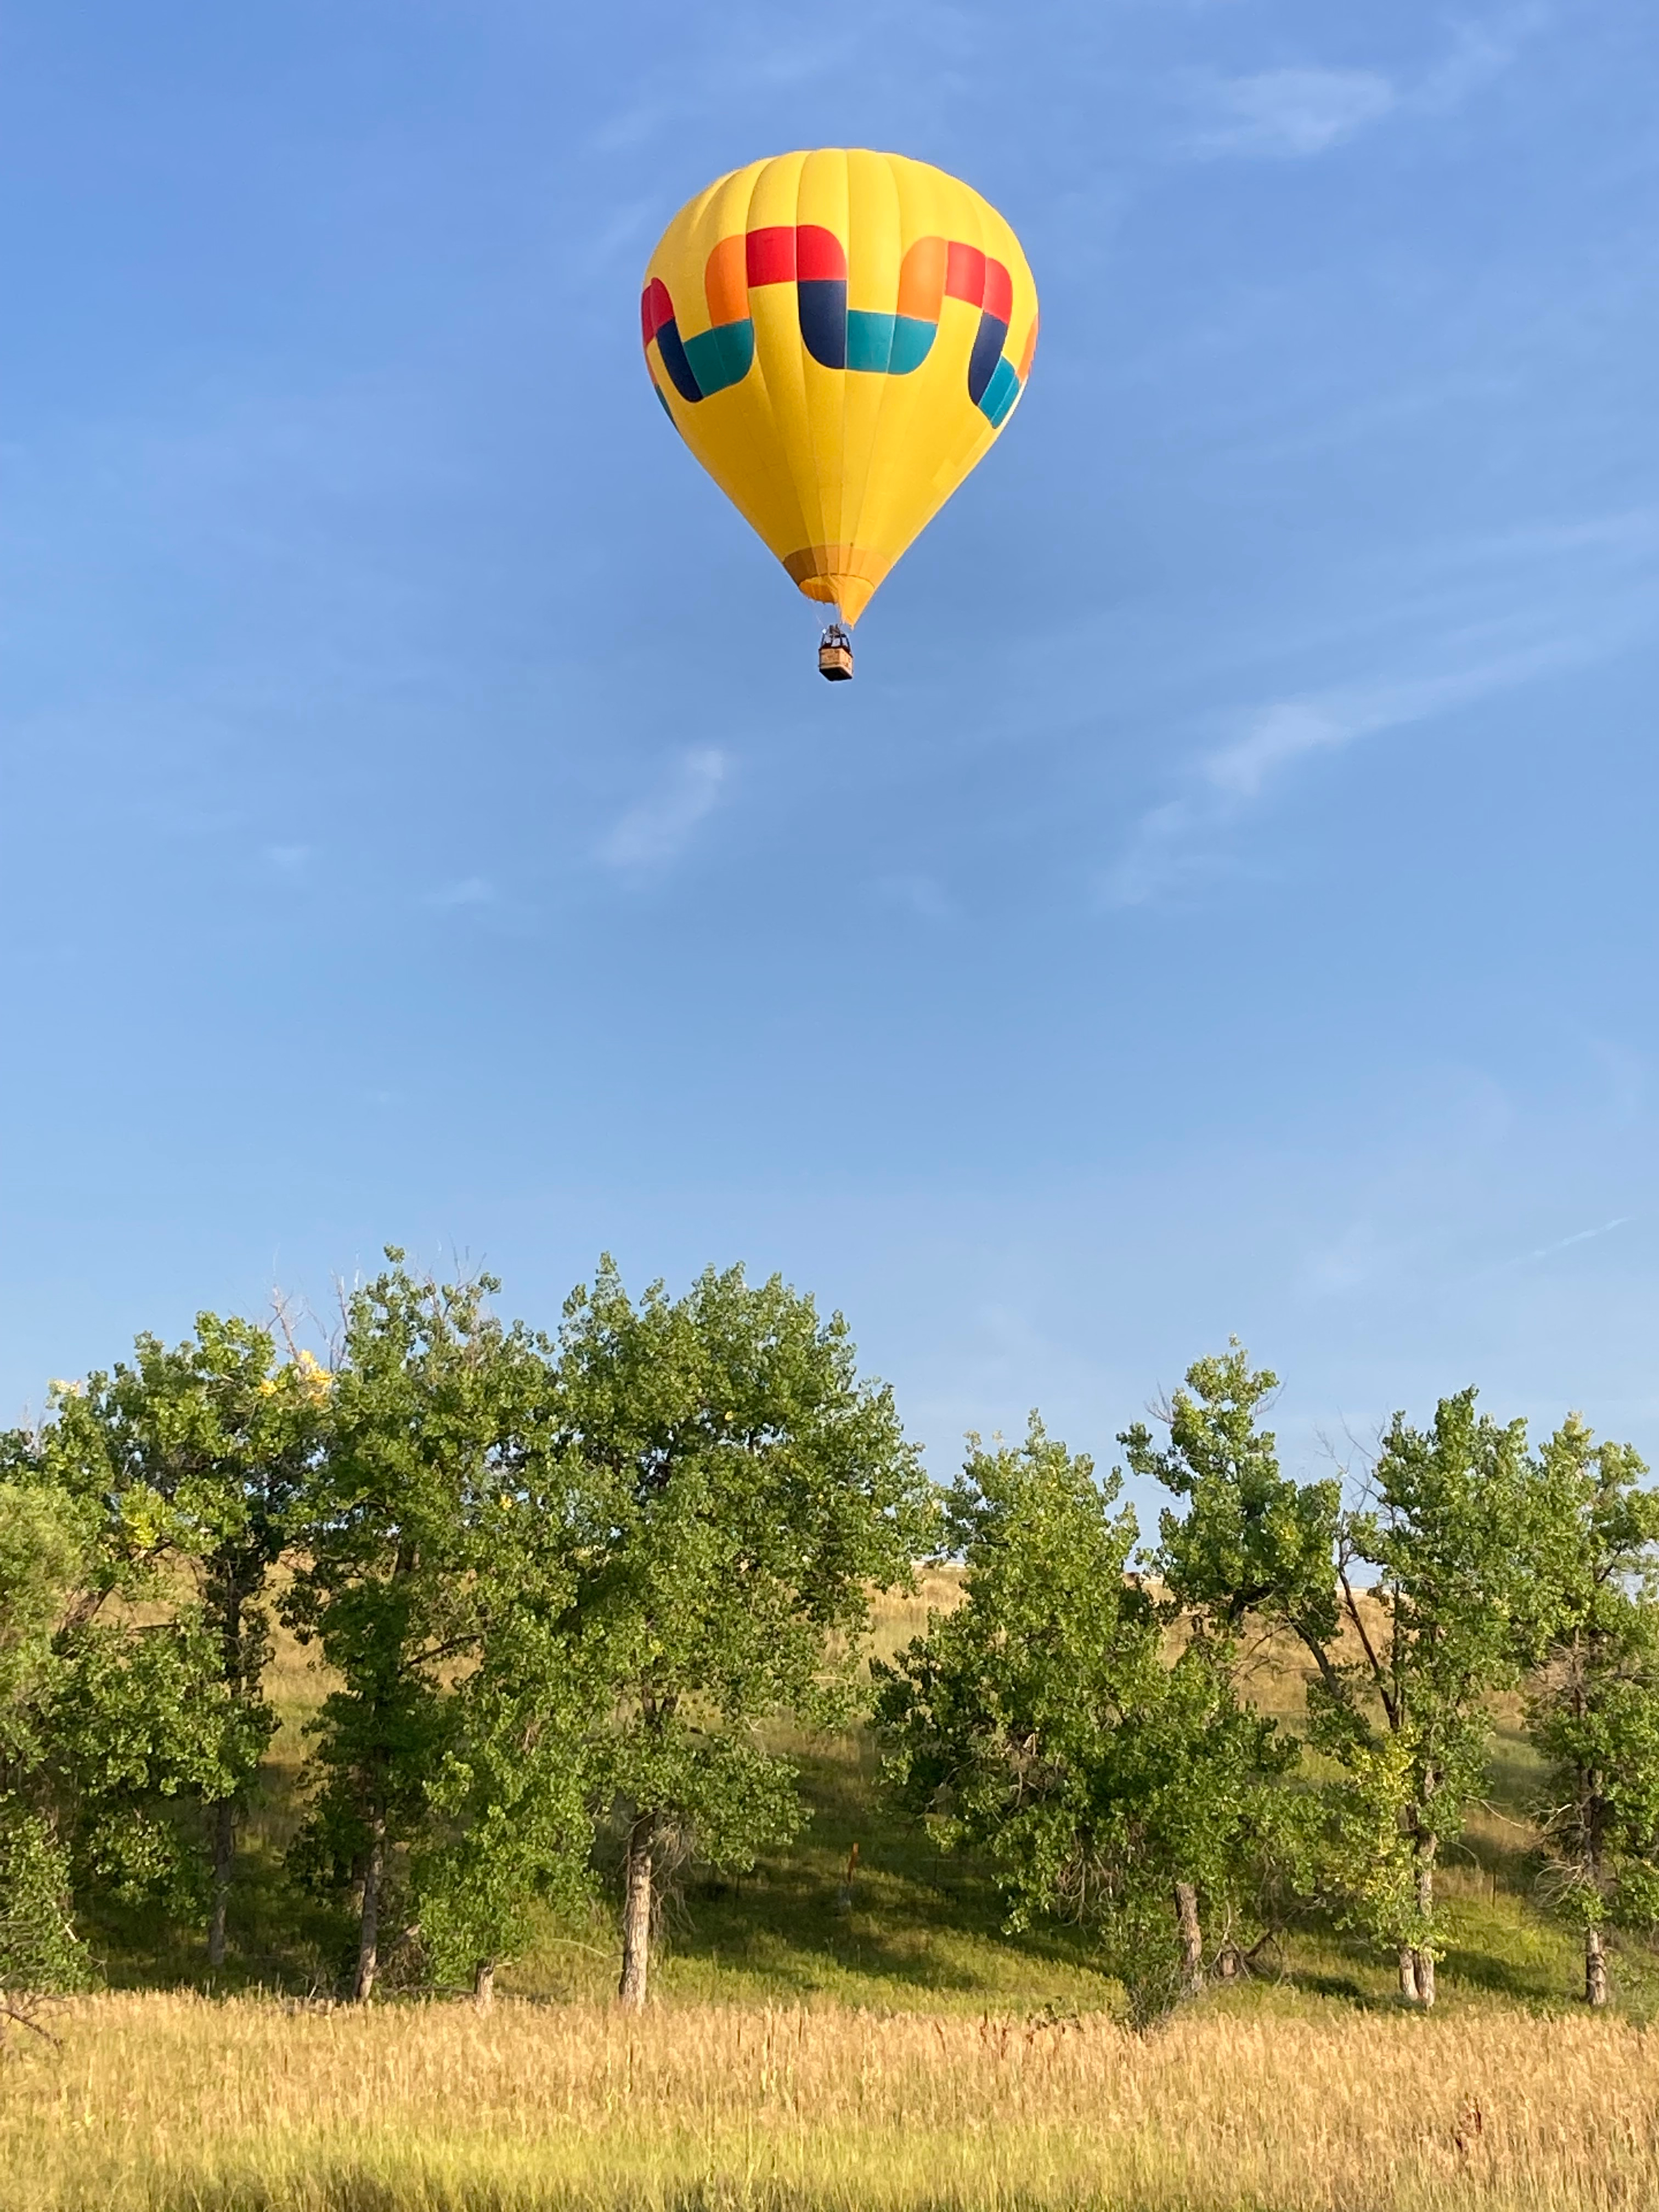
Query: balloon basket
x=835, y=655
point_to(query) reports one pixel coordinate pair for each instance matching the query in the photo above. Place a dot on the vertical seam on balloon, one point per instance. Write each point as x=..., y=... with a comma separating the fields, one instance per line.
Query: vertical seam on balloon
x=933, y=219
x=888, y=380
x=778, y=443
x=897, y=396
x=846, y=534
x=821, y=535
x=784, y=473
x=811, y=531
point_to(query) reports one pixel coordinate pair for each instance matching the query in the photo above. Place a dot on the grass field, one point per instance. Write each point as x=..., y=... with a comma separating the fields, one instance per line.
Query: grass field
x=905, y=2053
x=161, y=2101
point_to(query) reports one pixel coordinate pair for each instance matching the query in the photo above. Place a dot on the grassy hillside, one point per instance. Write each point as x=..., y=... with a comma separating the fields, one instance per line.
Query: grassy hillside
x=904, y=2056
x=924, y=1931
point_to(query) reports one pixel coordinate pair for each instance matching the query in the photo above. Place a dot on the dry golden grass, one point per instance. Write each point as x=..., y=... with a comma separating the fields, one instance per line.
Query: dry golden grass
x=895, y=1616
x=168, y=2102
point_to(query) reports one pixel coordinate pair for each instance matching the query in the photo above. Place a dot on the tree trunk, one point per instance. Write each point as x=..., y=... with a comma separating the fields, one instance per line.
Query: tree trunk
x=1592, y=1797
x=483, y=1984
x=1425, y=1914
x=224, y=1812
x=224, y=1845
x=844, y=1895
x=369, y=1939
x=1192, y=1939
x=1596, y=1967
x=636, y=1918
x=1408, y=1974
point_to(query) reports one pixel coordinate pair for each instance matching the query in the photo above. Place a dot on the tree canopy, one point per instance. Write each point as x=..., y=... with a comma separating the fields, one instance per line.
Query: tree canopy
x=752, y=1491
x=567, y=1589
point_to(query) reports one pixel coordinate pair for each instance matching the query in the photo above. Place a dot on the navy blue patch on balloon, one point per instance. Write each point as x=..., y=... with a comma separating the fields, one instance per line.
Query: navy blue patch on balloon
x=674, y=360
x=823, y=320
x=988, y=352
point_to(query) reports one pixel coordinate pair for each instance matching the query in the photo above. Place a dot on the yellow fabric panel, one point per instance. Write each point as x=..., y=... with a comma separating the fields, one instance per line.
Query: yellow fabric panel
x=836, y=468
x=781, y=362
x=875, y=240
x=753, y=442
x=821, y=199
x=934, y=434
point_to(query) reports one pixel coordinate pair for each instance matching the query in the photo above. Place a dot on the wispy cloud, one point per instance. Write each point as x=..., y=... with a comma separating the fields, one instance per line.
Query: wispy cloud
x=466, y=890
x=624, y=237
x=1479, y=53
x=1176, y=842
x=784, y=56
x=659, y=827
x=1286, y=729
x=1162, y=855
x=1292, y=113
x=919, y=895
x=289, y=860
x=1635, y=532
x=1580, y=1236
x=1354, y=1258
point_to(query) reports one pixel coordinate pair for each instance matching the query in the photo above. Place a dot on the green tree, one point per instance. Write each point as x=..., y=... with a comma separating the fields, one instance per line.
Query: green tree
x=1039, y=1723
x=509, y=1823
x=752, y=1491
x=144, y=1735
x=43, y=1539
x=413, y=1559
x=1594, y=1706
x=147, y=1729
x=1254, y=1549
x=1253, y=1545
x=193, y=1457
x=1469, y=1535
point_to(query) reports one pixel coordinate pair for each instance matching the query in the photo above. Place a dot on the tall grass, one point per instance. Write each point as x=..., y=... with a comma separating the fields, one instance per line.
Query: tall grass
x=166, y=2101
x=812, y=2053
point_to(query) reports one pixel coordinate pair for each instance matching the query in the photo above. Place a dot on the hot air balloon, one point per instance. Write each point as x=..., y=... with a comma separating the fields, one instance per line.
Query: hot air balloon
x=839, y=338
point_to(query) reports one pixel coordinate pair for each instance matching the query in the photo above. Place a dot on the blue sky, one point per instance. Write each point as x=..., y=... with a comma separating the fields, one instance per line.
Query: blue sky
x=1223, y=902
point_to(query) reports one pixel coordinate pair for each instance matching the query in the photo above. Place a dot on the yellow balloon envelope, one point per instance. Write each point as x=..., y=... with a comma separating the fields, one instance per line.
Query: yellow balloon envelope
x=838, y=336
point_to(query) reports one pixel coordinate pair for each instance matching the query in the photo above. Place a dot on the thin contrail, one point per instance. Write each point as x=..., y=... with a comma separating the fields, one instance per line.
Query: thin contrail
x=1583, y=1236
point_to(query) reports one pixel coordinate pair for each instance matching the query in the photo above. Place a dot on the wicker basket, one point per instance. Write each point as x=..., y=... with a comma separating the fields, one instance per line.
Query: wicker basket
x=835, y=655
